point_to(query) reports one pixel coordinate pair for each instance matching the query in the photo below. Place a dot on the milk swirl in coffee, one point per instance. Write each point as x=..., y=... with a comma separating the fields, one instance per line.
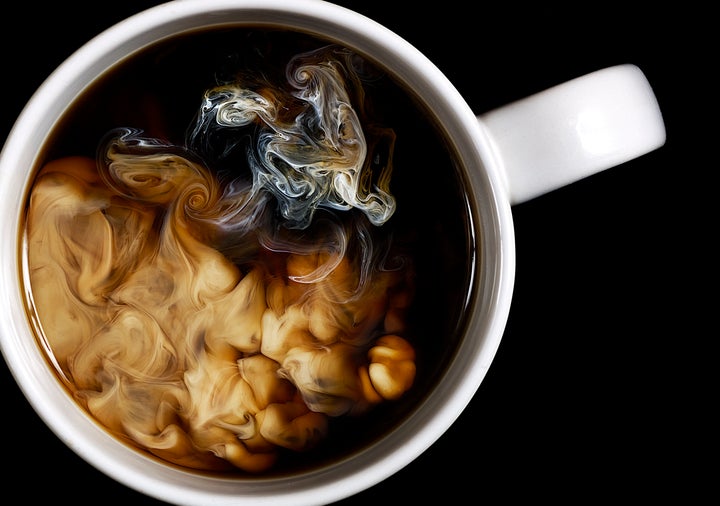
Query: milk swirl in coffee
x=267, y=273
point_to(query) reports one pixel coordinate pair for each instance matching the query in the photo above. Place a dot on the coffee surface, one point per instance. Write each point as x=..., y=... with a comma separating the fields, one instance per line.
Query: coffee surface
x=248, y=250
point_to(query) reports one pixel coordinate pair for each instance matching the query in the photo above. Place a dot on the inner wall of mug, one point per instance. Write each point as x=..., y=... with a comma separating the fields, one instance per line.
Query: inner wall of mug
x=486, y=206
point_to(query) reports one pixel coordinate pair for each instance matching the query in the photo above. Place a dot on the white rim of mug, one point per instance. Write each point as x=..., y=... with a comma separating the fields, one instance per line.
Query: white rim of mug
x=486, y=326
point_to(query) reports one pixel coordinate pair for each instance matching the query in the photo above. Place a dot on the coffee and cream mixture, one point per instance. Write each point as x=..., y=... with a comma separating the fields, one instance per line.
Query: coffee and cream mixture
x=216, y=317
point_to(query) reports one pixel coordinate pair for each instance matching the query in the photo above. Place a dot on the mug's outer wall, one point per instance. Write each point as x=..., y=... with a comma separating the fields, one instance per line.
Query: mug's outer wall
x=489, y=206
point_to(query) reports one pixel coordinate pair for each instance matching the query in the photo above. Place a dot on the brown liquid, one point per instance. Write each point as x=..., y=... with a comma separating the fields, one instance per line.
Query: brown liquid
x=262, y=296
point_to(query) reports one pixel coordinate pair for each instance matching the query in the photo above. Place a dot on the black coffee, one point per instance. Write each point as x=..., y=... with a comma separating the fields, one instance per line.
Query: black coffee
x=248, y=251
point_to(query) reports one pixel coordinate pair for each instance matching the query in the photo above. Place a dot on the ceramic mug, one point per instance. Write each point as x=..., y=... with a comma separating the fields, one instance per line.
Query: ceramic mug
x=506, y=156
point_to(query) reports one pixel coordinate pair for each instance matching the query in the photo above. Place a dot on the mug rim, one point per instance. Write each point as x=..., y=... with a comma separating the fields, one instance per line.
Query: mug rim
x=491, y=209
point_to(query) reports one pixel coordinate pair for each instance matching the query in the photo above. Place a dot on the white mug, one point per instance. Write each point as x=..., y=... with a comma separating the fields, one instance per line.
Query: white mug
x=508, y=156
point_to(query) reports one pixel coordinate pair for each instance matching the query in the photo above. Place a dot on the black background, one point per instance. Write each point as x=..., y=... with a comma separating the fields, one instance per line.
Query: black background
x=596, y=392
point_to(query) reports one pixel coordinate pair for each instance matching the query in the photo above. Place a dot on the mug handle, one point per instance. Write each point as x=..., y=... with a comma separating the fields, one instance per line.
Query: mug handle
x=573, y=130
